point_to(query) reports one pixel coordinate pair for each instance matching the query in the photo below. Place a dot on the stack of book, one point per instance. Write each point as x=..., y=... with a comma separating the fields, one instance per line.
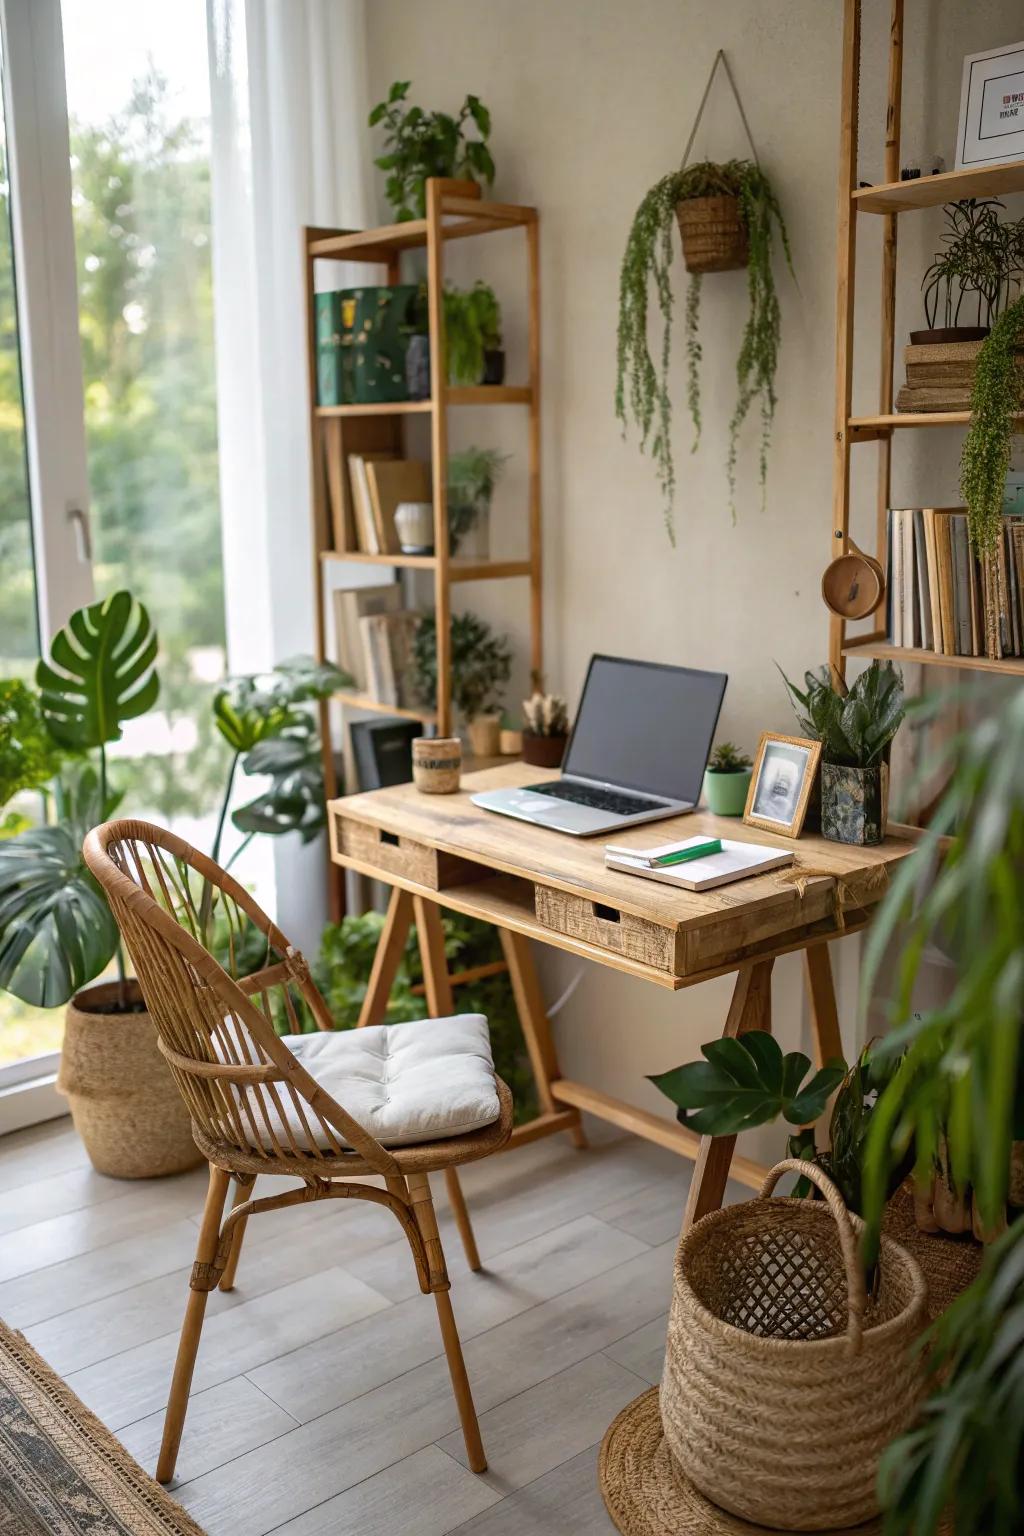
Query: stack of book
x=378, y=482
x=375, y=635
x=942, y=597
x=940, y=376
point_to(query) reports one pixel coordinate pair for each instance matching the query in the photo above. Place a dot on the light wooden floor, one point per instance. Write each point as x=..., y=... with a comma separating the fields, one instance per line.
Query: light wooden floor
x=321, y=1401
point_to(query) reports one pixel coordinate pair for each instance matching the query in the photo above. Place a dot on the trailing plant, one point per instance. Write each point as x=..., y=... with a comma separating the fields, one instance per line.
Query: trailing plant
x=727, y=758
x=546, y=714
x=854, y=724
x=473, y=474
x=481, y=662
x=981, y=256
x=642, y=387
x=420, y=144
x=957, y=1094
x=998, y=392
x=472, y=327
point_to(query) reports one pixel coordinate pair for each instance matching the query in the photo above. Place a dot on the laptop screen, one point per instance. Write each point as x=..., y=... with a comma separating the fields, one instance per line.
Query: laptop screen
x=644, y=726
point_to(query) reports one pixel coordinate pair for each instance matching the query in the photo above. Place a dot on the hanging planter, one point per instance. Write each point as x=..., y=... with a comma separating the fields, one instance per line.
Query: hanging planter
x=728, y=216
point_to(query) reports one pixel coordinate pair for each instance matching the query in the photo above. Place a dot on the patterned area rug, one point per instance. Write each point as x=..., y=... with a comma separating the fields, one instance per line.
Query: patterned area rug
x=61, y=1472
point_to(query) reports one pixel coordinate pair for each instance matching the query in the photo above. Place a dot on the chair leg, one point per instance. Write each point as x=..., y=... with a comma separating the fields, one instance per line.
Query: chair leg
x=192, y=1327
x=423, y=1206
x=457, y=1201
x=243, y=1189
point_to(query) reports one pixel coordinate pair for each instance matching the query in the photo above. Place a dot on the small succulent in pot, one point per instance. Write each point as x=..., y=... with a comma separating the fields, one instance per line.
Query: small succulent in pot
x=545, y=729
x=727, y=779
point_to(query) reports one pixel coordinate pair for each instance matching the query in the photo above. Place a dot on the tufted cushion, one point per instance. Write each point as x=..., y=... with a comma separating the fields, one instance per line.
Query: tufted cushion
x=420, y=1081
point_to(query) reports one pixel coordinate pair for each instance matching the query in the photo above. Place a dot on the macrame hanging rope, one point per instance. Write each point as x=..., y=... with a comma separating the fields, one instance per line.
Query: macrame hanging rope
x=720, y=58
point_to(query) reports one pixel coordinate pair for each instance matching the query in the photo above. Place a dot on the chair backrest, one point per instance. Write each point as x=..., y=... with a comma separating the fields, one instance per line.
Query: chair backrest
x=245, y=1090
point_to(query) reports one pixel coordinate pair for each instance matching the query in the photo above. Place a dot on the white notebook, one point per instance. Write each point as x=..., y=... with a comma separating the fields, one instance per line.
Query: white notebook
x=737, y=861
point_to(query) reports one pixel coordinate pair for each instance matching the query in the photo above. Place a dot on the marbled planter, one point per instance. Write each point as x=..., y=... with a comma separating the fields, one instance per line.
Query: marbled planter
x=854, y=803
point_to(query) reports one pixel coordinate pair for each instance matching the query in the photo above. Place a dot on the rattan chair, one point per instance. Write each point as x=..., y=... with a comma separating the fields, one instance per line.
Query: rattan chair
x=255, y=1109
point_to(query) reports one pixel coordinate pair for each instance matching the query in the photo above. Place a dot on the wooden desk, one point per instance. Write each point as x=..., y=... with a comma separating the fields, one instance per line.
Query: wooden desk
x=532, y=883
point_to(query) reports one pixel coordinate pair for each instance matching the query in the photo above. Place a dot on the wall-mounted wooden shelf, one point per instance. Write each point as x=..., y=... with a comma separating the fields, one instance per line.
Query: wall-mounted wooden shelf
x=901, y=419
x=474, y=394
x=933, y=191
x=459, y=568
x=356, y=700
x=462, y=215
x=881, y=649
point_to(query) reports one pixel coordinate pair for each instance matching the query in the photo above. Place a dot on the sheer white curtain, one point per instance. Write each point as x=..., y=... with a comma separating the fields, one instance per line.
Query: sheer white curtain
x=290, y=147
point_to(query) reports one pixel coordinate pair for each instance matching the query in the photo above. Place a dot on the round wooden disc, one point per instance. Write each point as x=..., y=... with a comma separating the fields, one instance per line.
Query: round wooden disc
x=852, y=587
x=645, y=1491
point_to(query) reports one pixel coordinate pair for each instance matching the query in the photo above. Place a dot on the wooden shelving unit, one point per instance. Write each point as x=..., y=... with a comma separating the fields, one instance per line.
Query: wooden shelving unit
x=455, y=210
x=888, y=201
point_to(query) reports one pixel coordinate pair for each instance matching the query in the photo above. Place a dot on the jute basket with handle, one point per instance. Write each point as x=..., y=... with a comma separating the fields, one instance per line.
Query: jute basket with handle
x=783, y=1381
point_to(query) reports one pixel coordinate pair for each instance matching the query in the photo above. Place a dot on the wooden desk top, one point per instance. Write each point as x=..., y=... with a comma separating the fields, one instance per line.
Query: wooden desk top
x=834, y=876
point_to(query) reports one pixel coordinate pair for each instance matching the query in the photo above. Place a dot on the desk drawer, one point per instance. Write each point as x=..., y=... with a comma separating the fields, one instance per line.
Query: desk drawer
x=634, y=937
x=393, y=854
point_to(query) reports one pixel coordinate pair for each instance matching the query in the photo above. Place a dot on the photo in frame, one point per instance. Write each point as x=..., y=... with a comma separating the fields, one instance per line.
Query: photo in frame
x=991, y=129
x=781, y=784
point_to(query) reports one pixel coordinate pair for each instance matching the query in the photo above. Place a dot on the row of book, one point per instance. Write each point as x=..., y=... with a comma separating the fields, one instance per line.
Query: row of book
x=942, y=596
x=375, y=633
x=378, y=483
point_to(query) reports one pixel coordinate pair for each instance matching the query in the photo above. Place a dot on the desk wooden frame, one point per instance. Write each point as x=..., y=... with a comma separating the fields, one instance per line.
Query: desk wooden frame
x=531, y=883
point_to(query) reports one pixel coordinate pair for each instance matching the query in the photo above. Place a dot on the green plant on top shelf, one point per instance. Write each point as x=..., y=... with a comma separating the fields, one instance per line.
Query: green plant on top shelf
x=997, y=394
x=481, y=663
x=642, y=386
x=856, y=724
x=473, y=474
x=727, y=758
x=472, y=328
x=421, y=144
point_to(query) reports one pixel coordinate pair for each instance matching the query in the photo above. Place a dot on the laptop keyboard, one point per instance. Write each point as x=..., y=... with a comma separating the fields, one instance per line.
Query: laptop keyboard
x=616, y=801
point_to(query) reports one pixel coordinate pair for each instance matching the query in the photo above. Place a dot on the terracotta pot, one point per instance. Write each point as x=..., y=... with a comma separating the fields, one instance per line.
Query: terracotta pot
x=123, y=1100
x=543, y=751
x=484, y=735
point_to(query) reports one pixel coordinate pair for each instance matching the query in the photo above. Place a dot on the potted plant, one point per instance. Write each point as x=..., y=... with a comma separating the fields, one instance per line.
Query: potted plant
x=481, y=663
x=728, y=216
x=421, y=144
x=997, y=393
x=855, y=726
x=727, y=779
x=472, y=476
x=545, y=729
x=472, y=329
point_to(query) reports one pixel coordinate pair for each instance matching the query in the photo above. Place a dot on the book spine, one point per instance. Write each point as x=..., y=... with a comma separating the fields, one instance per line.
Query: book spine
x=327, y=310
x=933, y=578
x=897, y=578
x=961, y=586
x=944, y=561
x=924, y=603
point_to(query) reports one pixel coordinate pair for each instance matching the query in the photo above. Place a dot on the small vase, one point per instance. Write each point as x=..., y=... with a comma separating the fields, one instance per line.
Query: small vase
x=484, y=733
x=726, y=793
x=543, y=751
x=854, y=803
x=414, y=524
x=436, y=764
x=417, y=368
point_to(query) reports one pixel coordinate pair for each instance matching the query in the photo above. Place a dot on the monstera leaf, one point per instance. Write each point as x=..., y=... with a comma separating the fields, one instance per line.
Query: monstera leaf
x=295, y=800
x=748, y=1081
x=252, y=709
x=101, y=672
x=56, y=930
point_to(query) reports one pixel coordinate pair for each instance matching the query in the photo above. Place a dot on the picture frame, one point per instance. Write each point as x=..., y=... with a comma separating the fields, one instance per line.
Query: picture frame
x=991, y=127
x=781, y=783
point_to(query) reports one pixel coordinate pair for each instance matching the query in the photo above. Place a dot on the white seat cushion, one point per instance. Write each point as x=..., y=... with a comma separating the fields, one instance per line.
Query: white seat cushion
x=420, y=1081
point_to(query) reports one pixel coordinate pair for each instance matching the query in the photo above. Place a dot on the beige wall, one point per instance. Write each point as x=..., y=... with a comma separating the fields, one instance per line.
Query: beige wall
x=592, y=101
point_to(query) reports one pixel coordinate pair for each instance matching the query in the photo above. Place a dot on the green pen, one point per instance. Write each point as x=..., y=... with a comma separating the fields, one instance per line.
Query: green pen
x=684, y=855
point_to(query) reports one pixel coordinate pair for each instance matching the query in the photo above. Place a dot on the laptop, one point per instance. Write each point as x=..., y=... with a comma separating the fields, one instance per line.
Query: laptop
x=637, y=752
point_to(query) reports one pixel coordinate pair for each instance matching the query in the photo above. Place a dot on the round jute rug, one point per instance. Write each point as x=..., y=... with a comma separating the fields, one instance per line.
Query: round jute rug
x=646, y=1494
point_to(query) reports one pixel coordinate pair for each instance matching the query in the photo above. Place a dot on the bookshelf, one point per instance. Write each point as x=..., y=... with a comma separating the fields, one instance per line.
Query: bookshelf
x=887, y=201
x=454, y=210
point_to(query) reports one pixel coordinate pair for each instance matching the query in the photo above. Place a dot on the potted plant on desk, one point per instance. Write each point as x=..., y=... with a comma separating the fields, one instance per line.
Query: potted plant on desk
x=727, y=779
x=481, y=664
x=545, y=729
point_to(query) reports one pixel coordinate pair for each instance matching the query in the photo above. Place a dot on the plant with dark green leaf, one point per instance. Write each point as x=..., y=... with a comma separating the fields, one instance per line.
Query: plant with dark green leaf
x=981, y=256
x=420, y=144
x=29, y=756
x=747, y=1081
x=642, y=386
x=481, y=663
x=727, y=758
x=854, y=724
x=998, y=393
x=472, y=327
x=473, y=474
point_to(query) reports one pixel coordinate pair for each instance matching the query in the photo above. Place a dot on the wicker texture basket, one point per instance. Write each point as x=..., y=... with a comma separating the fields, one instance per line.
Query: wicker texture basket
x=783, y=1383
x=713, y=233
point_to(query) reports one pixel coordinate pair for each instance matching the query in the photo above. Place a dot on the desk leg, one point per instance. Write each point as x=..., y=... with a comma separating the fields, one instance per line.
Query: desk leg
x=535, y=1025
x=826, y=1041
x=750, y=1009
x=387, y=959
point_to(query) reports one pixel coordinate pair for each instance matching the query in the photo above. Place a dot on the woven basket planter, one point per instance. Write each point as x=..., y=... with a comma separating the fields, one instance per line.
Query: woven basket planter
x=123, y=1100
x=713, y=233
x=783, y=1384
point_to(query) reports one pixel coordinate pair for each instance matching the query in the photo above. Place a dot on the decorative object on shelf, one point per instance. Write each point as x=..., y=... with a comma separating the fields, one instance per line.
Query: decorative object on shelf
x=973, y=278
x=510, y=743
x=484, y=732
x=417, y=366
x=481, y=663
x=855, y=726
x=997, y=394
x=472, y=331
x=473, y=474
x=853, y=585
x=781, y=784
x=382, y=750
x=756, y=1285
x=414, y=524
x=730, y=201
x=545, y=729
x=436, y=764
x=991, y=127
x=421, y=144
x=362, y=338
x=727, y=779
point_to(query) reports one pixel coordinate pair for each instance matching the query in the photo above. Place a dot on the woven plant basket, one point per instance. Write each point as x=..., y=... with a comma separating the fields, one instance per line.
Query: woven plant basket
x=783, y=1383
x=713, y=233
x=123, y=1100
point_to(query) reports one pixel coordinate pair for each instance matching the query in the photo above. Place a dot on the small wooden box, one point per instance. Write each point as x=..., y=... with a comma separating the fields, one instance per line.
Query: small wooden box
x=393, y=854
x=635, y=937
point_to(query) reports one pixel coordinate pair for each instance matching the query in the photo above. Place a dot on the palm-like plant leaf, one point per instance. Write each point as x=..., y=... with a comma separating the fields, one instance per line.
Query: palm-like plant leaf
x=101, y=672
x=56, y=930
x=747, y=1082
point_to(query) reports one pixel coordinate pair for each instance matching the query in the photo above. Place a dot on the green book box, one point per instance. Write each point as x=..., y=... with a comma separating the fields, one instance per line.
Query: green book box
x=362, y=337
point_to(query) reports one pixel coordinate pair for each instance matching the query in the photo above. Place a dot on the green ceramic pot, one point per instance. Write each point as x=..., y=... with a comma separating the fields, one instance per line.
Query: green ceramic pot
x=726, y=793
x=854, y=803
